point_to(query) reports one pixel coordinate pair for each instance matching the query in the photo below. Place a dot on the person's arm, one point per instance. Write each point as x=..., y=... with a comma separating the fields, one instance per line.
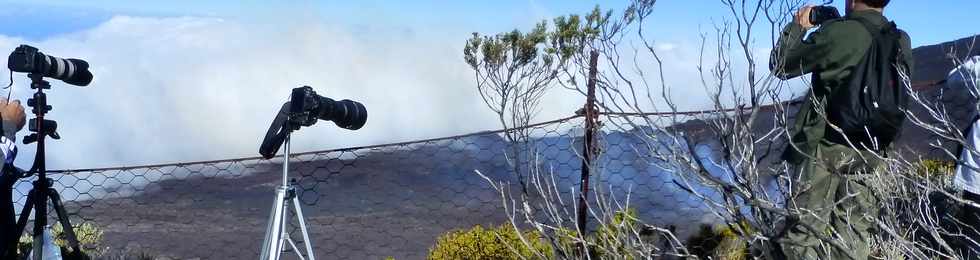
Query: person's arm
x=12, y=119
x=794, y=56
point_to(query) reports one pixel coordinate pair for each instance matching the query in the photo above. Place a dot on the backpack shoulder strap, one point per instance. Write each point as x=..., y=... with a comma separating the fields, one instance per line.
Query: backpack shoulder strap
x=887, y=36
x=867, y=26
x=889, y=28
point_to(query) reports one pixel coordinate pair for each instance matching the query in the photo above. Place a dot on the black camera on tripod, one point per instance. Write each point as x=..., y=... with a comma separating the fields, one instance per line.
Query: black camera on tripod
x=27, y=59
x=305, y=108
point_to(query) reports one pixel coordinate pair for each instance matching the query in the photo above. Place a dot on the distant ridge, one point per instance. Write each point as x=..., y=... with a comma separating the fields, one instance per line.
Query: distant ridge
x=933, y=63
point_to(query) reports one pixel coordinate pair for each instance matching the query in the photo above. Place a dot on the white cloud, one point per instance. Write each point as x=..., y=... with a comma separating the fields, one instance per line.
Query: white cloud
x=664, y=47
x=175, y=89
x=189, y=88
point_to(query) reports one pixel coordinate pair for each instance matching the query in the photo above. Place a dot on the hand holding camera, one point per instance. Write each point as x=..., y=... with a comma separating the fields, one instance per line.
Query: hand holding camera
x=810, y=16
x=13, y=116
x=802, y=17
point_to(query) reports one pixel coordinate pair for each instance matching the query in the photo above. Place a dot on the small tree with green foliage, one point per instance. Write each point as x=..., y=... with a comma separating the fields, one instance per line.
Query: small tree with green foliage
x=502, y=242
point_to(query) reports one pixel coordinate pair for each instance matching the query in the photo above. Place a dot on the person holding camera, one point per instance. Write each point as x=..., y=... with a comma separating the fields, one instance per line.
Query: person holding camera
x=834, y=202
x=13, y=119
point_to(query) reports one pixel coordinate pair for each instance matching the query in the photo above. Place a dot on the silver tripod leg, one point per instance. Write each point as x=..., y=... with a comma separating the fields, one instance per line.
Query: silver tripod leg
x=276, y=235
x=302, y=226
x=272, y=244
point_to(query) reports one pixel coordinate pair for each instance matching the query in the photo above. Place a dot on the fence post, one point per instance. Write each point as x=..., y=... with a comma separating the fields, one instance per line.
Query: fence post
x=591, y=116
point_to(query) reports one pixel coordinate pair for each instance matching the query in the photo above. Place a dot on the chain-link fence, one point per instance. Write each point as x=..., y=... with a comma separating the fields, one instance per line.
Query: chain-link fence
x=360, y=203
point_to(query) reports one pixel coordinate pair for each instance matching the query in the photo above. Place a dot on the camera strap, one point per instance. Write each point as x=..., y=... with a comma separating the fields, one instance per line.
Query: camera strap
x=276, y=134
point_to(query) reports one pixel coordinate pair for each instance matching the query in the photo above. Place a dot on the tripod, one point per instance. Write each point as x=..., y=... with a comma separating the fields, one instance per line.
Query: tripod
x=37, y=198
x=276, y=235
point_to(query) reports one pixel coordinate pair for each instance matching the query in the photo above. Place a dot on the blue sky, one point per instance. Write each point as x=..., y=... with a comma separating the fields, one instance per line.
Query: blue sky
x=200, y=80
x=928, y=22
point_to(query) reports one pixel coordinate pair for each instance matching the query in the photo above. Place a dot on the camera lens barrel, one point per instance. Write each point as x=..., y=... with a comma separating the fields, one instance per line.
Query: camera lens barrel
x=71, y=71
x=346, y=114
x=27, y=59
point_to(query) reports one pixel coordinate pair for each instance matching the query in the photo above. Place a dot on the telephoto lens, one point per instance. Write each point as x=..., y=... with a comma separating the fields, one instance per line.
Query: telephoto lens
x=27, y=59
x=308, y=107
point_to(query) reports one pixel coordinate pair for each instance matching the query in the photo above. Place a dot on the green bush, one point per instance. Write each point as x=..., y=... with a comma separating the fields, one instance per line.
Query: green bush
x=611, y=237
x=615, y=237
x=936, y=168
x=704, y=242
x=938, y=171
x=89, y=236
x=89, y=239
x=719, y=243
x=498, y=243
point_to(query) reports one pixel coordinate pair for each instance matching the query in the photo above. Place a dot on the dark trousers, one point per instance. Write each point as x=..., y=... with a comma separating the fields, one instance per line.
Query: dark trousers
x=836, y=204
x=8, y=240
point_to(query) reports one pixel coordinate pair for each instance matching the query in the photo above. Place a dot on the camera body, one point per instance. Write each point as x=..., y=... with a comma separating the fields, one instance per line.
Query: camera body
x=822, y=13
x=304, y=106
x=27, y=59
x=24, y=59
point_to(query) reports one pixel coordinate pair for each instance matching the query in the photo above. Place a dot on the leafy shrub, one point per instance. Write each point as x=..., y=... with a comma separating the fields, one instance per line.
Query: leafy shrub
x=704, y=242
x=501, y=242
x=89, y=236
x=89, y=239
x=615, y=238
x=935, y=168
x=719, y=243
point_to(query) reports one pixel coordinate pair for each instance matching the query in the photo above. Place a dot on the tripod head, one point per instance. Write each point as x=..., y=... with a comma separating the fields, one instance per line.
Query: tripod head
x=39, y=126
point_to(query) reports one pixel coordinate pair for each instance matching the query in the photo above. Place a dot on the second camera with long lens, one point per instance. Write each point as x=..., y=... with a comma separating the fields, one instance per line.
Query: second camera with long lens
x=305, y=108
x=27, y=59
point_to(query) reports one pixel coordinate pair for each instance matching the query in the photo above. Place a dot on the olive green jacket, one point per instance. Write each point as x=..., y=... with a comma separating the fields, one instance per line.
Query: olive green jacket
x=830, y=53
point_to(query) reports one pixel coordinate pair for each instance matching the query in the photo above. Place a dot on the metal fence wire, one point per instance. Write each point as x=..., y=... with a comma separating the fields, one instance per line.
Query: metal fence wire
x=373, y=202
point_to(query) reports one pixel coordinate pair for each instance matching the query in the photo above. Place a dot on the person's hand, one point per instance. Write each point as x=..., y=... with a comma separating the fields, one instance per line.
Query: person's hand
x=803, y=17
x=13, y=113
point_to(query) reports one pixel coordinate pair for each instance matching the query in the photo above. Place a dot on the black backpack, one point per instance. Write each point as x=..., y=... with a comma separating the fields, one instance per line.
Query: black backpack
x=870, y=109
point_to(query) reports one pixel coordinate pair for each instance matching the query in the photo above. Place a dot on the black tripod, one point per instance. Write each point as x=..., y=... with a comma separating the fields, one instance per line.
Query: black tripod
x=37, y=198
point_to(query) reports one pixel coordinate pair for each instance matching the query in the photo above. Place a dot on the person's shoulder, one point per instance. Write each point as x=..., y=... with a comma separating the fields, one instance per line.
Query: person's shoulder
x=840, y=25
x=903, y=35
x=843, y=29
